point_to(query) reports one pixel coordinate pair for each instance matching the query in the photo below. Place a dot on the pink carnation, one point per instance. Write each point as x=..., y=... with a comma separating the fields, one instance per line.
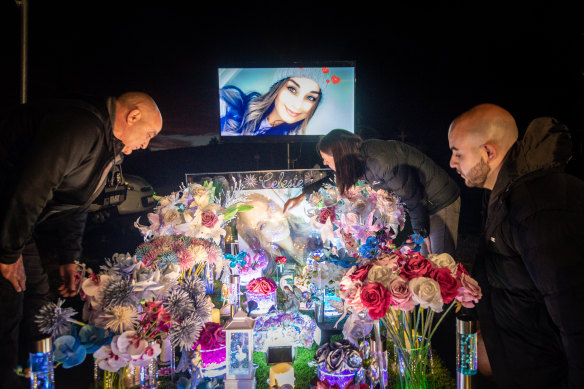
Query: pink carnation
x=186, y=259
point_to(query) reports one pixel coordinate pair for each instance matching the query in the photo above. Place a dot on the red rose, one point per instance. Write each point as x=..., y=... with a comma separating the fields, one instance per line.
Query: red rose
x=460, y=270
x=281, y=259
x=375, y=297
x=448, y=284
x=415, y=267
x=262, y=285
x=209, y=219
x=325, y=214
x=360, y=274
x=211, y=336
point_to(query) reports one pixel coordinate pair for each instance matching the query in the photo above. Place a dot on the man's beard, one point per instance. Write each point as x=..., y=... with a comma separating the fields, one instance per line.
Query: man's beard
x=477, y=175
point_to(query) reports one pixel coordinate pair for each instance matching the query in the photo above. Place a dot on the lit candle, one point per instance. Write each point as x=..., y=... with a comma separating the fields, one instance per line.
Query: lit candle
x=281, y=374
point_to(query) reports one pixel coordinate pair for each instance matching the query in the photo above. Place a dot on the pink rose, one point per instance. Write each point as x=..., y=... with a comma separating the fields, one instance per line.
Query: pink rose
x=350, y=291
x=375, y=297
x=401, y=295
x=325, y=214
x=416, y=266
x=448, y=284
x=469, y=292
x=209, y=219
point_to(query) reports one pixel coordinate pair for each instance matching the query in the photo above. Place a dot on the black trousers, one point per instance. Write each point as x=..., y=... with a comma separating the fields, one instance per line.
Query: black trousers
x=18, y=330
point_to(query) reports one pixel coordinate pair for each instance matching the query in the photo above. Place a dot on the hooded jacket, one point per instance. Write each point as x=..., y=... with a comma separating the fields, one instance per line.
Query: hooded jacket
x=54, y=160
x=532, y=274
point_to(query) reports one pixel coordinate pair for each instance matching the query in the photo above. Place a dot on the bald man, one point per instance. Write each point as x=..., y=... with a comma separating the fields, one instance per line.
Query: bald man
x=55, y=157
x=532, y=271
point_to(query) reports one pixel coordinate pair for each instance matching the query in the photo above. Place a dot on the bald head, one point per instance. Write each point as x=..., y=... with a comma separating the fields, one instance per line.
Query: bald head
x=479, y=139
x=137, y=121
x=487, y=123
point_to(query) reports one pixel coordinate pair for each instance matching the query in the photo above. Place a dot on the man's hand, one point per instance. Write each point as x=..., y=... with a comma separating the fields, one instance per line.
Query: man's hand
x=70, y=279
x=14, y=272
x=293, y=202
x=429, y=245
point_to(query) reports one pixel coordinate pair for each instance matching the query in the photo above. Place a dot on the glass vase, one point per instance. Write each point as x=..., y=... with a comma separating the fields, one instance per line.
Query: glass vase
x=413, y=367
x=149, y=375
x=124, y=378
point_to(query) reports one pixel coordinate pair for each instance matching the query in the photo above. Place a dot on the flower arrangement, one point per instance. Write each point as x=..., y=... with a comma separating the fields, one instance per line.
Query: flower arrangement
x=211, y=346
x=246, y=266
x=350, y=222
x=189, y=254
x=195, y=210
x=131, y=306
x=338, y=363
x=262, y=285
x=405, y=289
x=262, y=291
x=283, y=328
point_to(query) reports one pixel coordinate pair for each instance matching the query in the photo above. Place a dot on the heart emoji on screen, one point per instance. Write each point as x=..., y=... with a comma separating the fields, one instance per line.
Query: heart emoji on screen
x=325, y=70
x=335, y=79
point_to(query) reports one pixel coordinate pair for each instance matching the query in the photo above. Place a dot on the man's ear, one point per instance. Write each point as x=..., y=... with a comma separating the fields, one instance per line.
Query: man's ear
x=133, y=116
x=491, y=151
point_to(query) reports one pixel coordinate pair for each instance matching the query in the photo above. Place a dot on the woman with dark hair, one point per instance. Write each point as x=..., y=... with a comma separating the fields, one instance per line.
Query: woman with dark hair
x=285, y=109
x=430, y=195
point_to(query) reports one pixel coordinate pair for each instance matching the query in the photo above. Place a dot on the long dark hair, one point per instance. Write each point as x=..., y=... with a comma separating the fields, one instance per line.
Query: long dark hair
x=345, y=147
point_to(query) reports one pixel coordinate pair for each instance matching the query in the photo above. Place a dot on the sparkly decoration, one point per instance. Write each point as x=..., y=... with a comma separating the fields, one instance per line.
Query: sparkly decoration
x=283, y=329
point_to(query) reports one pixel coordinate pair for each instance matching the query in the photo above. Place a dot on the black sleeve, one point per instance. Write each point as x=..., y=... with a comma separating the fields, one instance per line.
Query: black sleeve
x=550, y=244
x=59, y=147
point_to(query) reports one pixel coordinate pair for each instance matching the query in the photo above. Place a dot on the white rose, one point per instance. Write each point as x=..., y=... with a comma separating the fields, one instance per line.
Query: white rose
x=443, y=260
x=426, y=292
x=381, y=274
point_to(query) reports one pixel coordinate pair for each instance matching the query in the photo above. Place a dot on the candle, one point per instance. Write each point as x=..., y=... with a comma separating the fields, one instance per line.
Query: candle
x=281, y=374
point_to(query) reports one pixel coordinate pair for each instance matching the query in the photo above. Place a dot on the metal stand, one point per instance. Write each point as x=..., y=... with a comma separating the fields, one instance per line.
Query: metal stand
x=466, y=351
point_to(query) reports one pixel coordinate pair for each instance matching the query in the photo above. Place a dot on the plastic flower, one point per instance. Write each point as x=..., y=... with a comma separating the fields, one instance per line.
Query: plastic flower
x=92, y=337
x=108, y=360
x=120, y=318
x=69, y=351
x=186, y=332
x=53, y=319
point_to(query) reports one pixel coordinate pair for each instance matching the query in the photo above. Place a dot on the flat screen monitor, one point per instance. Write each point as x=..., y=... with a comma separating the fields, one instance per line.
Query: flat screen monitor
x=285, y=103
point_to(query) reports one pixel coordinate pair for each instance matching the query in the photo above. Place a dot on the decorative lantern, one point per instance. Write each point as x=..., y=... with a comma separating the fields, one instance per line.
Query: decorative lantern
x=240, y=372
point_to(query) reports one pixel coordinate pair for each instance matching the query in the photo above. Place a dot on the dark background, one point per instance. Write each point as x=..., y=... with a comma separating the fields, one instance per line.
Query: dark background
x=417, y=67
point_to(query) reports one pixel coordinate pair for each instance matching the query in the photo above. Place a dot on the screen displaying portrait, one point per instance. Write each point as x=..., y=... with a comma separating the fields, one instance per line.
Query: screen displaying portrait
x=286, y=101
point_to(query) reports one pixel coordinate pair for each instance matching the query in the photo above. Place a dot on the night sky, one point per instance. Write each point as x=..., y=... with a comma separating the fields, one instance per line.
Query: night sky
x=417, y=67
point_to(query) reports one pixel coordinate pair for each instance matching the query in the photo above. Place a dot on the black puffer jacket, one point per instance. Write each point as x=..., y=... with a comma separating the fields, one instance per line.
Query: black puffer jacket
x=54, y=158
x=532, y=275
x=420, y=183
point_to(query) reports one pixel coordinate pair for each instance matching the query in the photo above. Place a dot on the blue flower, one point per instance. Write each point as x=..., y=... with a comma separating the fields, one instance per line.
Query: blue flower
x=92, y=337
x=69, y=351
x=237, y=260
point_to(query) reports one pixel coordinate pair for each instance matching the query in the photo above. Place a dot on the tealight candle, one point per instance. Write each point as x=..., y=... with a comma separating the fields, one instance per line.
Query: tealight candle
x=281, y=374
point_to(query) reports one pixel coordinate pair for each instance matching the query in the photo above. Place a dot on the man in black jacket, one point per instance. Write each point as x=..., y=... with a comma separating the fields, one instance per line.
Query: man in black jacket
x=532, y=271
x=55, y=157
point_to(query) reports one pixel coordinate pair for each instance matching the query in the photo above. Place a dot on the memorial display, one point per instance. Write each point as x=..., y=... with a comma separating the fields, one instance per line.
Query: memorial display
x=150, y=315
